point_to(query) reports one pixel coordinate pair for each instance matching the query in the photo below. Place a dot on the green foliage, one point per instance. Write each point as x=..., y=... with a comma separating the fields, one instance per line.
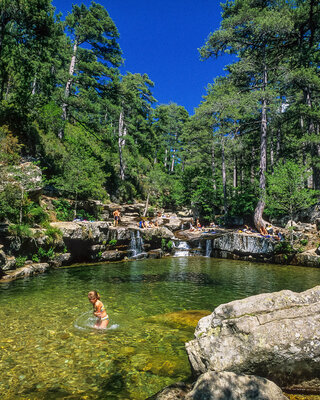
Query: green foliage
x=9, y=203
x=151, y=212
x=166, y=245
x=304, y=242
x=20, y=230
x=82, y=174
x=112, y=242
x=287, y=193
x=33, y=213
x=83, y=214
x=63, y=210
x=20, y=261
x=284, y=247
x=54, y=235
x=9, y=145
x=44, y=254
x=35, y=258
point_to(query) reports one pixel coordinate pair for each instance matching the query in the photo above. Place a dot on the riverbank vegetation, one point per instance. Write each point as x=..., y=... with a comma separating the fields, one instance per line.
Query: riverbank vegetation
x=98, y=134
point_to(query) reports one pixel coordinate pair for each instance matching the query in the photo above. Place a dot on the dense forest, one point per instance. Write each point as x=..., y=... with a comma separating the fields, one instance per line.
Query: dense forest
x=252, y=146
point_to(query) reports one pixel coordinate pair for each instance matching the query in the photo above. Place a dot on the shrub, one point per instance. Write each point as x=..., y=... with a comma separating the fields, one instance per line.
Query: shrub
x=112, y=242
x=35, y=258
x=53, y=235
x=304, y=242
x=64, y=211
x=47, y=255
x=20, y=230
x=35, y=214
x=284, y=248
x=20, y=261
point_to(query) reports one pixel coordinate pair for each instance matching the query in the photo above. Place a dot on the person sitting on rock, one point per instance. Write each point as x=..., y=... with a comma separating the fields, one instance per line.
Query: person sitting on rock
x=263, y=230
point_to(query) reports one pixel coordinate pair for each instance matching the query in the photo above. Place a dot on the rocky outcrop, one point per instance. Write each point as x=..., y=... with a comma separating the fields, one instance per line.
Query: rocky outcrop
x=27, y=175
x=242, y=244
x=273, y=335
x=83, y=241
x=27, y=270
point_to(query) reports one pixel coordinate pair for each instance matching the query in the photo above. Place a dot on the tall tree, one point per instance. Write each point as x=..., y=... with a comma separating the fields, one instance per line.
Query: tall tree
x=257, y=32
x=94, y=61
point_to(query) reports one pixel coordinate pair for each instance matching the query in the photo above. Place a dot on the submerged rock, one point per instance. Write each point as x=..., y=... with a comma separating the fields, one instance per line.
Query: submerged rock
x=178, y=318
x=273, y=335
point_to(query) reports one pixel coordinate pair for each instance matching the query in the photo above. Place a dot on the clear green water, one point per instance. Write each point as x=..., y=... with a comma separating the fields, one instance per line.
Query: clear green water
x=49, y=351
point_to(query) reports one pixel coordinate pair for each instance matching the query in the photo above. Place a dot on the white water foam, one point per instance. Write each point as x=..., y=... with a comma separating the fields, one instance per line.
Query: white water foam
x=87, y=321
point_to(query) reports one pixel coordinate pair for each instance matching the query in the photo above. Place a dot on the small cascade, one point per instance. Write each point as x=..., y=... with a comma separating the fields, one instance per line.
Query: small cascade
x=181, y=249
x=208, y=248
x=136, y=244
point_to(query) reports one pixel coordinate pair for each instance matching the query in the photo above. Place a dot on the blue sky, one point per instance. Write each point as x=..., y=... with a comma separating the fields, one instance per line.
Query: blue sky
x=161, y=38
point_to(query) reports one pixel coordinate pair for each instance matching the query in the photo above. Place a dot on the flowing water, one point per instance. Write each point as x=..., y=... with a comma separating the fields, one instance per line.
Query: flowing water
x=49, y=349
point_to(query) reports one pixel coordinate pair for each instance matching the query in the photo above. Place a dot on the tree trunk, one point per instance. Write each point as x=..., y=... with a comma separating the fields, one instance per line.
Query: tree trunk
x=235, y=173
x=315, y=147
x=252, y=170
x=272, y=153
x=213, y=167
x=173, y=154
x=224, y=180
x=69, y=82
x=258, y=212
x=173, y=160
x=122, y=132
x=147, y=205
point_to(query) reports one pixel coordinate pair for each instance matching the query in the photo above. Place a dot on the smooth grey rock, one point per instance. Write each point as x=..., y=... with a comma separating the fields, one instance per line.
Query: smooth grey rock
x=25, y=271
x=273, y=335
x=112, y=255
x=243, y=244
x=230, y=386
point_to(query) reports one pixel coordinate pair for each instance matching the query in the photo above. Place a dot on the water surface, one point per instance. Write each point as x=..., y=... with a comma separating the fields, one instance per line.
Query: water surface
x=48, y=349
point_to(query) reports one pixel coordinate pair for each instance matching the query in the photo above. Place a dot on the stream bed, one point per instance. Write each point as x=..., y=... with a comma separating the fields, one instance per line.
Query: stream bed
x=49, y=349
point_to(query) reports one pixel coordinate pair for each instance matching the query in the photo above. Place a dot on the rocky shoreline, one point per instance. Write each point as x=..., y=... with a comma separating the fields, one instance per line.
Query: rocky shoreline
x=100, y=241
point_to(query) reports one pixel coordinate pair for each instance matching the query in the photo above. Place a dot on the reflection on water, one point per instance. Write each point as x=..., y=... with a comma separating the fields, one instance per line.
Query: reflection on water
x=49, y=349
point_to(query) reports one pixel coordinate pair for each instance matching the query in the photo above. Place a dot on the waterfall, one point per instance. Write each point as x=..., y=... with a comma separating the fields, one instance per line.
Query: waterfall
x=136, y=243
x=181, y=249
x=208, y=248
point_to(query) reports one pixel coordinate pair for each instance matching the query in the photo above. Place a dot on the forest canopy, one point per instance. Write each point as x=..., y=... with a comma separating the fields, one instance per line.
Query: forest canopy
x=96, y=133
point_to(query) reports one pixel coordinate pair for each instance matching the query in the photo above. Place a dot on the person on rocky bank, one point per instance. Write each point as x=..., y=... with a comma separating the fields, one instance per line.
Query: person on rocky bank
x=116, y=216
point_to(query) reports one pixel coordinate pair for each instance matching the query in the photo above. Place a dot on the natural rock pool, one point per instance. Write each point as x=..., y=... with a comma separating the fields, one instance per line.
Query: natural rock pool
x=48, y=349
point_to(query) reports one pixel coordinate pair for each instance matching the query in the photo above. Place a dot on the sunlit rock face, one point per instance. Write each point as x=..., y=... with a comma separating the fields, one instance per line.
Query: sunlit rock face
x=27, y=175
x=243, y=244
x=273, y=335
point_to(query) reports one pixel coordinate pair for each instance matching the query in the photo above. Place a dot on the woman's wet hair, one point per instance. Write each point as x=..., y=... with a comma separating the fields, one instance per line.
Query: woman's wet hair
x=93, y=294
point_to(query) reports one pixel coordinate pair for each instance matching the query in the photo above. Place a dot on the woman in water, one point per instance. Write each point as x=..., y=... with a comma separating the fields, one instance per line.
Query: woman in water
x=98, y=310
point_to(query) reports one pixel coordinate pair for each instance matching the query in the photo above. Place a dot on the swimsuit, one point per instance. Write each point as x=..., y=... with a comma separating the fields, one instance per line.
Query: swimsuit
x=101, y=310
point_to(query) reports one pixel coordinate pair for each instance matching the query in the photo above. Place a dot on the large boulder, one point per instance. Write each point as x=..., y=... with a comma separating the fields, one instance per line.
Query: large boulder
x=231, y=386
x=222, y=386
x=273, y=335
x=243, y=244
